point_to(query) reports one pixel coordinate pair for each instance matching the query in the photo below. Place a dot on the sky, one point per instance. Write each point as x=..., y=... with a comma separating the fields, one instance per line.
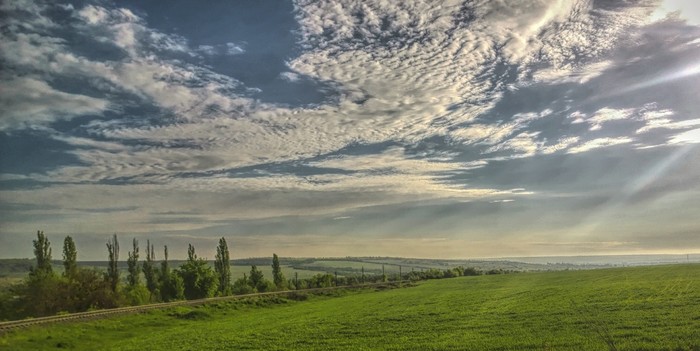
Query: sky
x=416, y=128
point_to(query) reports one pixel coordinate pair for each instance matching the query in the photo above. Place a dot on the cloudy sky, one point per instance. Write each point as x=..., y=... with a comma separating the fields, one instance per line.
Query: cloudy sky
x=423, y=128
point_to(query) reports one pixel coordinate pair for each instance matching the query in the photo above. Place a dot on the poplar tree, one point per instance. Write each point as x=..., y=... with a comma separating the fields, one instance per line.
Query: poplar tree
x=171, y=284
x=277, y=276
x=39, y=295
x=70, y=258
x=222, y=267
x=113, y=258
x=42, y=251
x=149, y=270
x=133, y=265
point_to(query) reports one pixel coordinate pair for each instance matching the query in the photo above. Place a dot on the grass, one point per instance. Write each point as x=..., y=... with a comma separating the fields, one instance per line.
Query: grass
x=640, y=308
x=11, y=279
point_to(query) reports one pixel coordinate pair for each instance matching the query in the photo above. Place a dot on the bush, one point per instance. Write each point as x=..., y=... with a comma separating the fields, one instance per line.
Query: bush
x=137, y=295
x=241, y=287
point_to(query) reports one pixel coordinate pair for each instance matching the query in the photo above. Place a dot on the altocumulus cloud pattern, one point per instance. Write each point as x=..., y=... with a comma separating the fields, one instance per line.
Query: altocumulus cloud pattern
x=413, y=128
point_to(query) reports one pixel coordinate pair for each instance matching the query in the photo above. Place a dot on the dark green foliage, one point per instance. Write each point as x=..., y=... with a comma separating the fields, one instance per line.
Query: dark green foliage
x=133, y=264
x=257, y=280
x=136, y=295
x=149, y=272
x=112, y=258
x=42, y=252
x=222, y=266
x=44, y=293
x=70, y=258
x=164, y=267
x=277, y=275
x=87, y=290
x=321, y=281
x=199, y=279
x=40, y=294
x=171, y=285
x=8, y=305
x=470, y=271
x=242, y=286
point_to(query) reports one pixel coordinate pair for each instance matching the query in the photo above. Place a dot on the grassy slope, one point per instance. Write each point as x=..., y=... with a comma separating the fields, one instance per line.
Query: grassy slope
x=642, y=308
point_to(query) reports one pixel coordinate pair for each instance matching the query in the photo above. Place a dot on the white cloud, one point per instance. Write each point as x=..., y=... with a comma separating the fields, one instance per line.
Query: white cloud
x=598, y=143
x=561, y=144
x=608, y=114
x=688, y=10
x=581, y=75
x=666, y=123
x=233, y=49
x=423, y=70
x=289, y=76
x=93, y=14
x=37, y=21
x=489, y=134
x=393, y=158
x=578, y=117
x=523, y=144
x=207, y=50
x=502, y=201
x=421, y=74
x=689, y=137
x=402, y=68
x=188, y=90
x=230, y=49
x=27, y=101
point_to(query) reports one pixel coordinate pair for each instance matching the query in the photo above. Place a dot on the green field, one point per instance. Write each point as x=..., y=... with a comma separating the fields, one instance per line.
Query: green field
x=640, y=308
x=238, y=271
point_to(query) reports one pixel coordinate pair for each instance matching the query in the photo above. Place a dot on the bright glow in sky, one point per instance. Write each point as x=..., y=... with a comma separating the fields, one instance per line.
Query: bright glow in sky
x=688, y=10
x=322, y=128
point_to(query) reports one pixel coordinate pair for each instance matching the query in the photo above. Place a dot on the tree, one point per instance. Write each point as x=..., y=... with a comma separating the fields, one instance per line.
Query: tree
x=41, y=292
x=277, y=276
x=222, y=266
x=42, y=251
x=133, y=265
x=135, y=293
x=173, y=287
x=241, y=286
x=149, y=270
x=88, y=290
x=70, y=258
x=199, y=279
x=171, y=284
x=257, y=280
x=113, y=258
x=164, y=268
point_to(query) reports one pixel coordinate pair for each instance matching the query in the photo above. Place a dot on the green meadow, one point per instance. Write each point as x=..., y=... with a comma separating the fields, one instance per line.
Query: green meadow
x=638, y=308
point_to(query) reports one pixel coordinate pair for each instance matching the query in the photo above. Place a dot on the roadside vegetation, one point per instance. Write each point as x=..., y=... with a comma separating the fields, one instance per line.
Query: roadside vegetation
x=46, y=292
x=634, y=308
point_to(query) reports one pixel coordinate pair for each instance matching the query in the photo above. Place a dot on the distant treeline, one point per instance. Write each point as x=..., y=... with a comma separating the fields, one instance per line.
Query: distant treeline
x=78, y=288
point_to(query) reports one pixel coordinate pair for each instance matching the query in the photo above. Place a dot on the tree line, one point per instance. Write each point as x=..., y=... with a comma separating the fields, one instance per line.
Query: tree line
x=45, y=292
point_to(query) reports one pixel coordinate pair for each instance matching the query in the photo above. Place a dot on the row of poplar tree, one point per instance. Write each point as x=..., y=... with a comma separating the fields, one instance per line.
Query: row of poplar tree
x=44, y=292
